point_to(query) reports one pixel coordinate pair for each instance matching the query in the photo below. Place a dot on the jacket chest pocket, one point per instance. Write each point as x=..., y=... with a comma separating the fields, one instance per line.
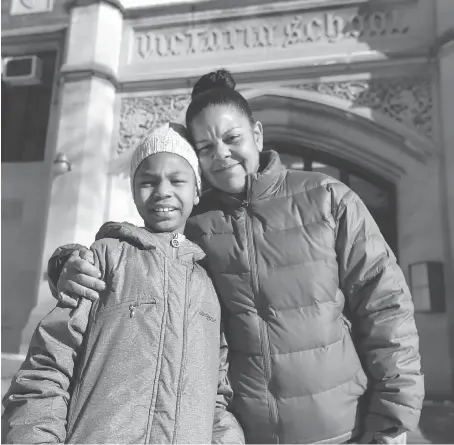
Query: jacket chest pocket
x=128, y=309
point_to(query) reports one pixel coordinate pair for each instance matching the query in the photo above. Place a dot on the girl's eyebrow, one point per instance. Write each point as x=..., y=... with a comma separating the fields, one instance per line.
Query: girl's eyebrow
x=170, y=173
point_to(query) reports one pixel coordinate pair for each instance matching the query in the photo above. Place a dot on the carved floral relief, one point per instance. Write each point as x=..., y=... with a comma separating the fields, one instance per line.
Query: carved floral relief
x=406, y=100
x=139, y=115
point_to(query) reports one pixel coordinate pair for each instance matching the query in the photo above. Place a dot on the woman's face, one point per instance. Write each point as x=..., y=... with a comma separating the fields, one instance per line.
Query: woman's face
x=227, y=145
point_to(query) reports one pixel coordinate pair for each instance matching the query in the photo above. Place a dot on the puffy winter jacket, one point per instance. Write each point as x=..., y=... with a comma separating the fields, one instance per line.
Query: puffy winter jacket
x=144, y=364
x=322, y=339
x=301, y=268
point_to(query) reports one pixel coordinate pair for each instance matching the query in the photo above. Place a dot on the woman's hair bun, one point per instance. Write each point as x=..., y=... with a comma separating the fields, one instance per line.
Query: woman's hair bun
x=215, y=79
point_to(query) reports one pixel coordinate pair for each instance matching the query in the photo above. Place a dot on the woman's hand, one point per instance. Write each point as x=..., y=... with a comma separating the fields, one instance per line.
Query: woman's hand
x=79, y=278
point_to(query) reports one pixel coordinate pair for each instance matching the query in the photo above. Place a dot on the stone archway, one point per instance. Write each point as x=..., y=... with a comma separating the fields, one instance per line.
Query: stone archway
x=369, y=139
x=357, y=134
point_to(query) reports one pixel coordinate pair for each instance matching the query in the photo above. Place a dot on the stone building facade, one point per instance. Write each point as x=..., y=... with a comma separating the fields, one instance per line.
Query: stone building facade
x=362, y=90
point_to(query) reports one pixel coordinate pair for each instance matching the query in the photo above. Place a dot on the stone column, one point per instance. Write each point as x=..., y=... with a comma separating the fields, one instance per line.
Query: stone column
x=444, y=51
x=84, y=132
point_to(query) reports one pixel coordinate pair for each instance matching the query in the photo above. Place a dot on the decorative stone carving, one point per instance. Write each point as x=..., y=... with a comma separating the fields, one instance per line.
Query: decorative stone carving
x=22, y=7
x=141, y=114
x=407, y=100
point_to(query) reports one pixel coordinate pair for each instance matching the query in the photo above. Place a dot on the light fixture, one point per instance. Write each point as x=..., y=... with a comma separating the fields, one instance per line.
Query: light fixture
x=61, y=164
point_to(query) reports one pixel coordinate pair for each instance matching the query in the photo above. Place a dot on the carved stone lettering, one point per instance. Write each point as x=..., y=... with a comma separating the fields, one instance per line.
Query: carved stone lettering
x=328, y=27
x=194, y=41
x=145, y=44
x=405, y=100
x=314, y=30
x=334, y=27
x=294, y=32
x=265, y=35
x=231, y=37
x=214, y=40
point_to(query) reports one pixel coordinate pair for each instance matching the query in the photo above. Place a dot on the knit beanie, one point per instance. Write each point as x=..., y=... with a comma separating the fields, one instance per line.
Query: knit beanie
x=165, y=140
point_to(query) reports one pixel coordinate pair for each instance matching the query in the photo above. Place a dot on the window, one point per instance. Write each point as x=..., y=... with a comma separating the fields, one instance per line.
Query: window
x=427, y=286
x=25, y=116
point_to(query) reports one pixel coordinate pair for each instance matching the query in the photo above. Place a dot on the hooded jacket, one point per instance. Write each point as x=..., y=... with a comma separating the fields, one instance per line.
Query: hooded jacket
x=131, y=367
x=323, y=345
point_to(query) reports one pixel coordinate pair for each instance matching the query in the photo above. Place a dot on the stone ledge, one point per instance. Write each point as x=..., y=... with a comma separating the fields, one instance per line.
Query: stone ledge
x=72, y=73
x=82, y=3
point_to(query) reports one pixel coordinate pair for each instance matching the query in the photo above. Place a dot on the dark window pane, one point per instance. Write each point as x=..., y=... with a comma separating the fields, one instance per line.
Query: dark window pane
x=373, y=196
x=25, y=116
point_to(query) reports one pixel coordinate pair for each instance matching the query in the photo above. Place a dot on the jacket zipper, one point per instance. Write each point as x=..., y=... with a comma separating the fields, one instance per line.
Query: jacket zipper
x=183, y=360
x=264, y=343
x=134, y=306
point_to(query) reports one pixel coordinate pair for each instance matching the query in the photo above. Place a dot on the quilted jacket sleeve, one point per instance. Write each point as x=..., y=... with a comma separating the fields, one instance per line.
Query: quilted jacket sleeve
x=36, y=404
x=382, y=316
x=226, y=428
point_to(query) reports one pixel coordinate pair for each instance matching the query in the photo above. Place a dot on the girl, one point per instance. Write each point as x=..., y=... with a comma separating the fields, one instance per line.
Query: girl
x=131, y=367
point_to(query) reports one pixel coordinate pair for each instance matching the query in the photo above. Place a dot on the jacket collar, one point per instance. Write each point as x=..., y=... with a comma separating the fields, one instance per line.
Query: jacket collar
x=261, y=185
x=147, y=240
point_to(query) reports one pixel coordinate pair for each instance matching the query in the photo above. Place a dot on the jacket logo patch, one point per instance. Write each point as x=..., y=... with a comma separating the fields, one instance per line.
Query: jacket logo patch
x=207, y=316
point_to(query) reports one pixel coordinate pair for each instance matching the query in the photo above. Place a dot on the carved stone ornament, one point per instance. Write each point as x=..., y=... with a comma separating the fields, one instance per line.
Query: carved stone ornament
x=138, y=115
x=406, y=100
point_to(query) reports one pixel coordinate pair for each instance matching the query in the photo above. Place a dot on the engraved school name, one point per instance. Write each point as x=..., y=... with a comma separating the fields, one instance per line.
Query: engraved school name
x=329, y=27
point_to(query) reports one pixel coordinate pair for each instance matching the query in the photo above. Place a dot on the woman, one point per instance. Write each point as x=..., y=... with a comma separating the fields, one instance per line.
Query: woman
x=319, y=319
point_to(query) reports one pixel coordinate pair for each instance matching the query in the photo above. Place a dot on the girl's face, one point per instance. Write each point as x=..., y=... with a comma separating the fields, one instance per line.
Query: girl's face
x=227, y=145
x=165, y=192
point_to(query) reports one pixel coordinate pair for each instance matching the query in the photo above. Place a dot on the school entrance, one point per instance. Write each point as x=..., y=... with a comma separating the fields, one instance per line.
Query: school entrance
x=359, y=90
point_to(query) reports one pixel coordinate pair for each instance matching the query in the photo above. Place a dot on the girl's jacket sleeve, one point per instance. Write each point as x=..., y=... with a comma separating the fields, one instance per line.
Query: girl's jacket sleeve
x=381, y=310
x=226, y=428
x=36, y=404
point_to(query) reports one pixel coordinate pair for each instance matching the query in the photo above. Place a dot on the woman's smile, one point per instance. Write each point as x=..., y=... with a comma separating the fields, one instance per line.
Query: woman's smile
x=226, y=168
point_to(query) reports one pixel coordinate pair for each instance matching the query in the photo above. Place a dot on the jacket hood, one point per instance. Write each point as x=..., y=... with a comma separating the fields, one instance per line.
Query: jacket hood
x=143, y=238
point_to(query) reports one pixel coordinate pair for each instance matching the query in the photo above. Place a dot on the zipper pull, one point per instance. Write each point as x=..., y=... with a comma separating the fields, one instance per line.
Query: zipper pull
x=132, y=309
x=175, y=242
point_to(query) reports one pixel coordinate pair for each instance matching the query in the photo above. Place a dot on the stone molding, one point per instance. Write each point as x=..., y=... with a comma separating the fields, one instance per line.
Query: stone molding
x=83, y=3
x=407, y=100
x=73, y=73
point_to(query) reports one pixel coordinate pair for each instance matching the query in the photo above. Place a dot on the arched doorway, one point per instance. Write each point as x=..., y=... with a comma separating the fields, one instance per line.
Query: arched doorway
x=377, y=157
x=377, y=193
